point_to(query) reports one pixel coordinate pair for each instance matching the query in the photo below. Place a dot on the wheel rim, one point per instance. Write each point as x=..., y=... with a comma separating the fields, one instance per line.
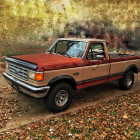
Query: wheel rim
x=129, y=80
x=61, y=97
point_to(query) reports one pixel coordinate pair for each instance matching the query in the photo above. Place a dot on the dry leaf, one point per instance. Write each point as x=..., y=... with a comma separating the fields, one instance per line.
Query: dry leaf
x=76, y=135
x=48, y=133
x=129, y=107
x=47, y=138
x=80, y=136
x=128, y=135
x=125, y=116
x=33, y=126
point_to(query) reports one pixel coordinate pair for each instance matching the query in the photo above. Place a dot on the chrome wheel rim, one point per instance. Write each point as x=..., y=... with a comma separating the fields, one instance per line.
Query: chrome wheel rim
x=61, y=97
x=129, y=80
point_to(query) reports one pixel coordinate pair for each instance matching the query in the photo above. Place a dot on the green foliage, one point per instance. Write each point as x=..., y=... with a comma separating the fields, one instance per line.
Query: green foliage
x=32, y=133
x=136, y=135
x=116, y=21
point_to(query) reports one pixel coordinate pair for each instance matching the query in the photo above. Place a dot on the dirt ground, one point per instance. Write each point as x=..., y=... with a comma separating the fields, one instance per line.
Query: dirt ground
x=33, y=109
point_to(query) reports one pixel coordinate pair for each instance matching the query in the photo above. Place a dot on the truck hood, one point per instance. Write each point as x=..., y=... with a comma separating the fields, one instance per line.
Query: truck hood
x=46, y=61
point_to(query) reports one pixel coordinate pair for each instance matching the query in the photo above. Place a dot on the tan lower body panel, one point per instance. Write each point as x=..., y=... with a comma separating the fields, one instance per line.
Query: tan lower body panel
x=70, y=72
x=118, y=67
x=49, y=75
x=84, y=73
x=95, y=71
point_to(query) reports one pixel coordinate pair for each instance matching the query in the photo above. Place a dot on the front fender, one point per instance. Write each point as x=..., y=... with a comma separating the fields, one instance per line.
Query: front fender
x=68, y=79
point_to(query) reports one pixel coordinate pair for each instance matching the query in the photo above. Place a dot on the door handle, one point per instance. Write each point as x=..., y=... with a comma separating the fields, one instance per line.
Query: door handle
x=93, y=61
x=96, y=61
x=97, y=66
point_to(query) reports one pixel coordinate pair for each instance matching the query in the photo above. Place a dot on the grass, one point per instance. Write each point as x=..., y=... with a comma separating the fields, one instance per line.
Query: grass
x=21, y=48
x=1, y=60
x=32, y=133
x=136, y=135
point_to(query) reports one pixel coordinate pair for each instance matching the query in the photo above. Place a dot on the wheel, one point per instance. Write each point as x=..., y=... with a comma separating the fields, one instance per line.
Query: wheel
x=59, y=97
x=127, y=82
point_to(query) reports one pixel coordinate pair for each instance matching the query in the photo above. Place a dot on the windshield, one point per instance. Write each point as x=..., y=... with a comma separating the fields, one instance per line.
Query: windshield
x=69, y=48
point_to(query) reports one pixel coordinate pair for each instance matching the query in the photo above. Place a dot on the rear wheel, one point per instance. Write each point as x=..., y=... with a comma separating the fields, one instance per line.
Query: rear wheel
x=127, y=82
x=59, y=97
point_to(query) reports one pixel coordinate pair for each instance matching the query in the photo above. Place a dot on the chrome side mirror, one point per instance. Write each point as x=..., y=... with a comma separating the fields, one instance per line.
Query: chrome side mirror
x=100, y=57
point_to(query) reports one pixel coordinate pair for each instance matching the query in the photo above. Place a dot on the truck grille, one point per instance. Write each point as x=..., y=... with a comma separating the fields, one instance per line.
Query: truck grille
x=18, y=71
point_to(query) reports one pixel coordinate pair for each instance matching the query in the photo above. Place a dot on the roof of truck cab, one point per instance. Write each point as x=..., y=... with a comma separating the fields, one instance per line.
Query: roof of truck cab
x=83, y=39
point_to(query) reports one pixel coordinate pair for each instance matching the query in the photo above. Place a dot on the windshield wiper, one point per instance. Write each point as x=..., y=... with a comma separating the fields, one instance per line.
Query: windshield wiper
x=68, y=55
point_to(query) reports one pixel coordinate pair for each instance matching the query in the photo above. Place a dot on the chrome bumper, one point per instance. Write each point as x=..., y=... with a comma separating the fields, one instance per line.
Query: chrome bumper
x=37, y=92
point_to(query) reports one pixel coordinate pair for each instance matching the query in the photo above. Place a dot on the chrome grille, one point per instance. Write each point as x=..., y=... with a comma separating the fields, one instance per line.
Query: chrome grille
x=18, y=71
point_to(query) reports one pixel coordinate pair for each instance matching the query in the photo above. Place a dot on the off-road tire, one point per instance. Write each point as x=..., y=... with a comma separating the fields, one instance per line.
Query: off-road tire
x=127, y=82
x=51, y=99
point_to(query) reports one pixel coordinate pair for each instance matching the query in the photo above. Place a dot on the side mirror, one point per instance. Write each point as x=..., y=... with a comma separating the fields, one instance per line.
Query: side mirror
x=100, y=57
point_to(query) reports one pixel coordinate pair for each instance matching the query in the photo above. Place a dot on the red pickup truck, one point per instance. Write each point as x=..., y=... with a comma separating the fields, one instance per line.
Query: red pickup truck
x=68, y=65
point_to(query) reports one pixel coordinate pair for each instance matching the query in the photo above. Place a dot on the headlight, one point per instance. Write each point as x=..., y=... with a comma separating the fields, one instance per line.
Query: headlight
x=31, y=75
x=38, y=76
x=7, y=65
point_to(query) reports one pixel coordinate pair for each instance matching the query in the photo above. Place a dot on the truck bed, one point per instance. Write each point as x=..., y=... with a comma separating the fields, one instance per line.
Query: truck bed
x=125, y=55
x=117, y=55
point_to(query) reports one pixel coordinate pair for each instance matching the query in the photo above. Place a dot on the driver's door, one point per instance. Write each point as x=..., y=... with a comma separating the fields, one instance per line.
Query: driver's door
x=95, y=71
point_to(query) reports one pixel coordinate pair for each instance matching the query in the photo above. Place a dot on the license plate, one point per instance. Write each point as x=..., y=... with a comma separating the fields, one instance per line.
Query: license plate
x=15, y=87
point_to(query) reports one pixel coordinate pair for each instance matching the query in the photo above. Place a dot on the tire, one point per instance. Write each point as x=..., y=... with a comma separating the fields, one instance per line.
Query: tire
x=59, y=97
x=127, y=82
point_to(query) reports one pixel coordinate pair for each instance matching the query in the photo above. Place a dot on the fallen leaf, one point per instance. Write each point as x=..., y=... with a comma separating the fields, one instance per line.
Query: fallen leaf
x=76, y=135
x=80, y=136
x=33, y=126
x=48, y=133
x=129, y=107
x=128, y=135
x=125, y=116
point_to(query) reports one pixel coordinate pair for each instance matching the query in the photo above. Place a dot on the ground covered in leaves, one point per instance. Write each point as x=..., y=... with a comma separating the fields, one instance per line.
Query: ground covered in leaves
x=119, y=118
x=7, y=108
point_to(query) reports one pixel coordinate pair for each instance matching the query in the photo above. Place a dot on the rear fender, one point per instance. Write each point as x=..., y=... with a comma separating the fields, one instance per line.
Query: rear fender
x=132, y=68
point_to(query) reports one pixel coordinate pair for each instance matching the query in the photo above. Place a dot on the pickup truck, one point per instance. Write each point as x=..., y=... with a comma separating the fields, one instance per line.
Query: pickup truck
x=68, y=65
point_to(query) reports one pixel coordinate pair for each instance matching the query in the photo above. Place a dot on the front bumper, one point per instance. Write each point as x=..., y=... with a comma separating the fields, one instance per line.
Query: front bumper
x=37, y=92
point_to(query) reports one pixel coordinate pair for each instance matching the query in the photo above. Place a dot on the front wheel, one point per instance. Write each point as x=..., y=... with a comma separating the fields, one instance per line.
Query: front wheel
x=59, y=97
x=127, y=82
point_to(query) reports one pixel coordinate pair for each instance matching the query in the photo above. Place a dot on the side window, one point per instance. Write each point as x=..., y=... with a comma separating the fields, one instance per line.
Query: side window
x=95, y=49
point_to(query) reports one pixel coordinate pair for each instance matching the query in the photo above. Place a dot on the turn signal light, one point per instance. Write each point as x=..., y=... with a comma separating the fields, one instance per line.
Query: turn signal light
x=39, y=76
